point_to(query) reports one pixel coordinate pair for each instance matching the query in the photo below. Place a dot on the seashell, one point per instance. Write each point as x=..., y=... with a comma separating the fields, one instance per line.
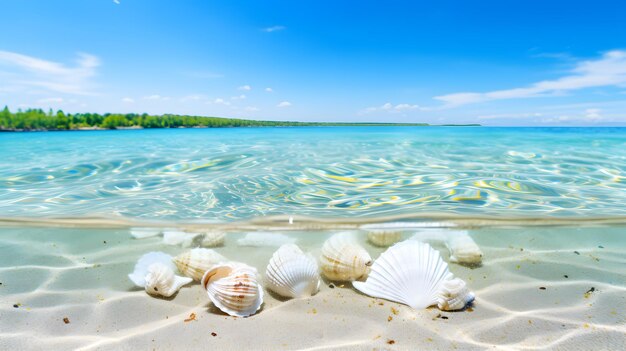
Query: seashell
x=184, y=239
x=142, y=233
x=259, y=239
x=213, y=239
x=454, y=295
x=412, y=273
x=384, y=238
x=195, y=262
x=138, y=276
x=343, y=259
x=162, y=281
x=233, y=288
x=291, y=273
x=463, y=249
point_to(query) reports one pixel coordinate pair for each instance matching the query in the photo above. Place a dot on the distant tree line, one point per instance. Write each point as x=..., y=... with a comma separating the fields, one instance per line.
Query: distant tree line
x=37, y=119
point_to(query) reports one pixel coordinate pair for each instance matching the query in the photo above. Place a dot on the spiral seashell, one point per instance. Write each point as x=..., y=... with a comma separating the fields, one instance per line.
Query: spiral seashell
x=291, y=273
x=138, y=276
x=195, y=262
x=413, y=273
x=233, y=288
x=213, y=239
x=162, y=281
x=343, y=259
x=384, y=238
x=454, y=295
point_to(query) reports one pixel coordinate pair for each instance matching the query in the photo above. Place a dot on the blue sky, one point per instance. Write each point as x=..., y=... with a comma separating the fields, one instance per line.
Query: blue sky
x=490, y=62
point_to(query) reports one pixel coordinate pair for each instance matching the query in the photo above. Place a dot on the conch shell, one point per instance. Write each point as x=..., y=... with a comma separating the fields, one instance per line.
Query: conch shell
x=233, y=288
x=291, y=273
x=343, y=259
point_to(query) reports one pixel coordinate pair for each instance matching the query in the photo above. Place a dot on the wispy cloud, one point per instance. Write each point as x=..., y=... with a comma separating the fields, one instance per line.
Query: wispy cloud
x=245, y=88
x=391, y=108
x=128, y=100
x=608, y=70
x=240, y=97
x=274, y=29
x=220, y=101
x=32, y=72
x=284, y=104
x=269, y=90
x=156, y=97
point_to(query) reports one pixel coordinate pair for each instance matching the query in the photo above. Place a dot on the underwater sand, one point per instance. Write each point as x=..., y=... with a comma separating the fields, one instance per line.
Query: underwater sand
x=81, y=274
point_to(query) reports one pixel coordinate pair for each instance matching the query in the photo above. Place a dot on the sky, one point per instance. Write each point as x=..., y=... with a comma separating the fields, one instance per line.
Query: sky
x=501, y=63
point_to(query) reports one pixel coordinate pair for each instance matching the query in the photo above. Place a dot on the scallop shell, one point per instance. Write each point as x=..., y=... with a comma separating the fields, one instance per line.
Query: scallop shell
x=384, y=238
x=291, y=273
x=410, y=272
x=343, y=259
x=213, y=239
x=260, y=239
x=162, y=281
x=142, y=233
x=233, y=288
x=463, y=249
x=184, y=239
x=454, y=295
x=195, y=262
x=138, y=276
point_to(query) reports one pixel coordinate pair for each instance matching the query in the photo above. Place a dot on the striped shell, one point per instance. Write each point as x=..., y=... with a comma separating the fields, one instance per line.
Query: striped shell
x=291, y=273
x=233, y=288
x=384, y=238
x=213, y=239
x=162, y=281
x=195, y=262
x=343, y=259
x=412, y=273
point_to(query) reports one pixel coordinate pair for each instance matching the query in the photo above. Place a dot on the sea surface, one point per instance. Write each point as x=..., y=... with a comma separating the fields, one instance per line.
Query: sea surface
x=546, y=207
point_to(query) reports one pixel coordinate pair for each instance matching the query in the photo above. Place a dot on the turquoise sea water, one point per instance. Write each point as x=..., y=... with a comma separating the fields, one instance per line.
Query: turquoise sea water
x=227, y=174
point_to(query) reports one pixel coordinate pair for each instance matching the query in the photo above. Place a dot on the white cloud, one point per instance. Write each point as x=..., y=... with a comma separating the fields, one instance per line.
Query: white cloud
x=593, y=114
x=220, y=101
x=52, y=76
x=50, y=101
x=156, y=97
x=245, y=87
x=269, y=90
x=252, y=109
x=240, y=97
x=284, y=104
x=195, y=97
x=389, y=107
x=274, y=29
x=608, y=70
x=128, y=100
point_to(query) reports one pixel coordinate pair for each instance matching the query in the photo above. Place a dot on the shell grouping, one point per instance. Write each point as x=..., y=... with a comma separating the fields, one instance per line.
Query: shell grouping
x=292, y=273
x=343, y=259
x=162, y=281
x=412, y=273
x=234, y=289
x=195, y=262
x=384, y=238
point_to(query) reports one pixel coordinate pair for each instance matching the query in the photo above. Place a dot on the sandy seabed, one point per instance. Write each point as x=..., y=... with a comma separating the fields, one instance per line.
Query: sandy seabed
x=538, y=289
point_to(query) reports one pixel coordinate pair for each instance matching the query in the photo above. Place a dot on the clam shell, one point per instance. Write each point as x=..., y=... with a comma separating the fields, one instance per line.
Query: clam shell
x=138, y=276
x=343, y=259
x=454, y=295
x=384, y=238
x=184, y=239
x=195, y=262
x=291, y=273
x=260, y=239
x=161, y=280
x=233, y=288
x=463, y=249
x=213, y=239
x=410, y=272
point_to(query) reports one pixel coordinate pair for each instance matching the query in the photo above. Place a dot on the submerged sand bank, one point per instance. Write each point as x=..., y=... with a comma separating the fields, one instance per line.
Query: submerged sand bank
x=538, y=288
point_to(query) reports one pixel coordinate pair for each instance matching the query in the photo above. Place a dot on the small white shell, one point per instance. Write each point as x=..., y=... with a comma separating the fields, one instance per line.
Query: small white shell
x=195, y=262
x=233, y=288
x=162, y=281
x=260, y=239
x=184, y=239
x=291, y=273
x=343, y=259
x=410, y=272
x=142, y=233
x=454, y=295
x=213, y=239
x=138, y=276
x=463, y=249
x=384, y=238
